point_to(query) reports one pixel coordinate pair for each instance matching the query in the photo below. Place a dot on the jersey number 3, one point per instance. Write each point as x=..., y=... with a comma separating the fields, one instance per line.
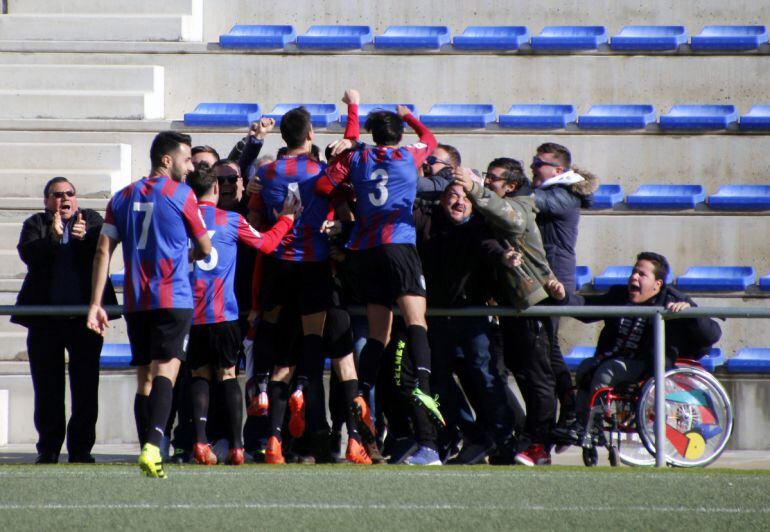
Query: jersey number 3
x=380, y=194
x=147, y=209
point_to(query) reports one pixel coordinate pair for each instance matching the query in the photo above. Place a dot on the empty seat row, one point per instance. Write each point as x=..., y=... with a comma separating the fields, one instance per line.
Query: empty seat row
x=746, y=360
x=655, y=197
x=633, y=38
x=519, y=116
x=695, y=279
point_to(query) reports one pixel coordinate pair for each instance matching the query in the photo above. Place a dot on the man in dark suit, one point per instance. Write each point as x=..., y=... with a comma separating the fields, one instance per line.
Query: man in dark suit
x=58, y=248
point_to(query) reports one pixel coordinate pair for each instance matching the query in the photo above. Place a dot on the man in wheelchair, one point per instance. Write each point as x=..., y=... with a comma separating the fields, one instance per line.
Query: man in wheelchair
x=624, y=352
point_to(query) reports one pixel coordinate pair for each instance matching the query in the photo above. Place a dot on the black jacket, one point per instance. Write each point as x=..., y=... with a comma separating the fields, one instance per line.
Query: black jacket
x=558, y=218
x=685, y=337
x=38, y=249
x=456, y=265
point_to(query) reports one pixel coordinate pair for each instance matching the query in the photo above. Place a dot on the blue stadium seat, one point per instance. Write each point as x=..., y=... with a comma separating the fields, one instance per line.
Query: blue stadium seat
x=459, y=115
x=729, y=38
x=335, y=37
x=570, y=38
x=741, y=198
x=492, y=38
x=617, y=117
x=607, y=196
x=764, y=282
x=321, y=114
x=666, y=197
x=115, y=356
x=712, y=359
x=582, y=276
x=699, y=117
x=618, y=275
x=365, y=108
x=717, y=278
x=649, y=38
x=259, y=36
x=750, y=360
x=118, y=278
x=223, y=114
x=758, y=118
x=413, y=37
x=577, y=355
x=538, y=116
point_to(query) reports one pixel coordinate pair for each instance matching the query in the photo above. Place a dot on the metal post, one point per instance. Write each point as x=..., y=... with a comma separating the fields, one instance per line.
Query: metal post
x=660, y=389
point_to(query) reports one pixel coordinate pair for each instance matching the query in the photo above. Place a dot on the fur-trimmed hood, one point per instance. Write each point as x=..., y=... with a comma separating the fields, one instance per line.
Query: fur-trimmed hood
x=587, y=186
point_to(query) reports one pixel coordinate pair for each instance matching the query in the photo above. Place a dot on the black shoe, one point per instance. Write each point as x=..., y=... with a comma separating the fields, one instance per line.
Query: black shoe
x=81, y=459
x=180, y=456
x=571, y=434
x=473, y=453
x=400, y=449
x=47, y=458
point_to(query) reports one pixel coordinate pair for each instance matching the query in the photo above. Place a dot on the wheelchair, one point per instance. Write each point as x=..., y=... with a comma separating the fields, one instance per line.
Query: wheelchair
x=699, y=420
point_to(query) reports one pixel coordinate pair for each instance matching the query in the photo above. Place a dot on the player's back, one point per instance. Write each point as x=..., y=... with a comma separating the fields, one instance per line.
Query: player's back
x=385, y=183
x=297, y=175
x=153, y=218
x=213, y=278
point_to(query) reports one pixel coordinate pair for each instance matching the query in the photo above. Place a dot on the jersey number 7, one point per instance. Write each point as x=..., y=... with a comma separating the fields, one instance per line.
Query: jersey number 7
x=146, y=221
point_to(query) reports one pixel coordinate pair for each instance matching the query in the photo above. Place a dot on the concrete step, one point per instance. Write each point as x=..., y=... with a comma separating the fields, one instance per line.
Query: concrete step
x=88, y=183
x=81, y=104
x=14, y=344
x=94, y=27
x=11, y=265
x=9, y=237
x=122, y=78
x=105, y=7
x=90, y=155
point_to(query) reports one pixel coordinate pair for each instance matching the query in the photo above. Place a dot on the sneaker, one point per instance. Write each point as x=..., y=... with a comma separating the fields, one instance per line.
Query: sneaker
x=473, y=453
x=297, y=414
x=273, y=451
x=235, y=457
x=430, y=404
x=424, y=456
x=534, y=455
x=150, y=461
x=373, y=450
x=571, y=434
x=400, y=449
x=258, y=456
x=181, y=456
x=203, y=454
x=364, y=420
x=356, y=453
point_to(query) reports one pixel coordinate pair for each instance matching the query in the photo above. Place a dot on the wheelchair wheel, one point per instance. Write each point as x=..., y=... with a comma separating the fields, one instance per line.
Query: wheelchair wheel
x=632, y=452
x=699, y=417
x=590, y=457
x=614, y=456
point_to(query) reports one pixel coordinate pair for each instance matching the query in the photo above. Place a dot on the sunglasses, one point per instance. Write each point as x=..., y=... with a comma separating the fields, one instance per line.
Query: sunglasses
x=537, y=162
x=433, y=160
x=231, y=179
x=489, y=176
x=62, y=194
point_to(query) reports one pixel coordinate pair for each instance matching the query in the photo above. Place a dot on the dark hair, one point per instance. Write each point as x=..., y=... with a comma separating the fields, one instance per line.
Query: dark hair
x=561, y=153
x=660, y=265
x=202, y=179
x=205, y=149
x=295, y=127
x=315, y=153
x=386, y=127
x=53, y=181
x=166, y=143
x=514, y=171
x=227, y=162
x=454, y=154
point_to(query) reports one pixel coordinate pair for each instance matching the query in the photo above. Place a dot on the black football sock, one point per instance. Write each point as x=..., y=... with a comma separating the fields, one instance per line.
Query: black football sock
x=419, y=350
x=233, y=400
x=369, y=364
x=160, y=408
x=199, y=392
x=142, y=417
x=350, y=390
x=278, y=392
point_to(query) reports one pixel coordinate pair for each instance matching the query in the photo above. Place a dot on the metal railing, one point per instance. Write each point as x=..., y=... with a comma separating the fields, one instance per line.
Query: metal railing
x=658, y=314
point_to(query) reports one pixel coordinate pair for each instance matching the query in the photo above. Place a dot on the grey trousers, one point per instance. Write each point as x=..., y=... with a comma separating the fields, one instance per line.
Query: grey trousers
x=593, y=374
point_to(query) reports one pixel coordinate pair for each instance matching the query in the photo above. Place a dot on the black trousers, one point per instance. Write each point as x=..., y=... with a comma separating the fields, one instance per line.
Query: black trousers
x=46, y=345
x=527, y=352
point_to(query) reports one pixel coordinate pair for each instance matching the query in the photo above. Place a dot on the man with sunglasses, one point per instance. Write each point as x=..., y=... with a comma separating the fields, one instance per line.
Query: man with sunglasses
x=437, y=172
x=58, y=247
x=560, y=192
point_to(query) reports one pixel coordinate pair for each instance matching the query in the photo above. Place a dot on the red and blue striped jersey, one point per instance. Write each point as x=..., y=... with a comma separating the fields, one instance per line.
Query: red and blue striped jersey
x=213, y=278
x=153, y=218
x=305, y=242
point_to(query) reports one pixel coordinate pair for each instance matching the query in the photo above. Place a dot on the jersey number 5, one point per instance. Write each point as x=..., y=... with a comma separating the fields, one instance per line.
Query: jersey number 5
x=380, y=194
x=147, y=209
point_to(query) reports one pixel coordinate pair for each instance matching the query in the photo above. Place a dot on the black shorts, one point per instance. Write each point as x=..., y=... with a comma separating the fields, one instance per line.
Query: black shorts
x=307, y=286
x=388, y=272
x=215, y=344
x=159, y=334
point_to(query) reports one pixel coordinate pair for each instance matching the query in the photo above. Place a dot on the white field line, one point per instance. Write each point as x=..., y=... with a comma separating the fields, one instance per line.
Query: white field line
x=378, y=506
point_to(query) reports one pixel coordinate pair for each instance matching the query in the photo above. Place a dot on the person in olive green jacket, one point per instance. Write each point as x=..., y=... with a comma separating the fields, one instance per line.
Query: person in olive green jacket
x=507, y=202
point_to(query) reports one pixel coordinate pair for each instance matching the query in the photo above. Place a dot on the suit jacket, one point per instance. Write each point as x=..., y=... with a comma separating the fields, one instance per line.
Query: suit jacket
x=38, y=249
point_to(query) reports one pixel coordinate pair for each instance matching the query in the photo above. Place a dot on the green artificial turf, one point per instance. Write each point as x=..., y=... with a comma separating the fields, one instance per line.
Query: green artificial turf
x=343, y=497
